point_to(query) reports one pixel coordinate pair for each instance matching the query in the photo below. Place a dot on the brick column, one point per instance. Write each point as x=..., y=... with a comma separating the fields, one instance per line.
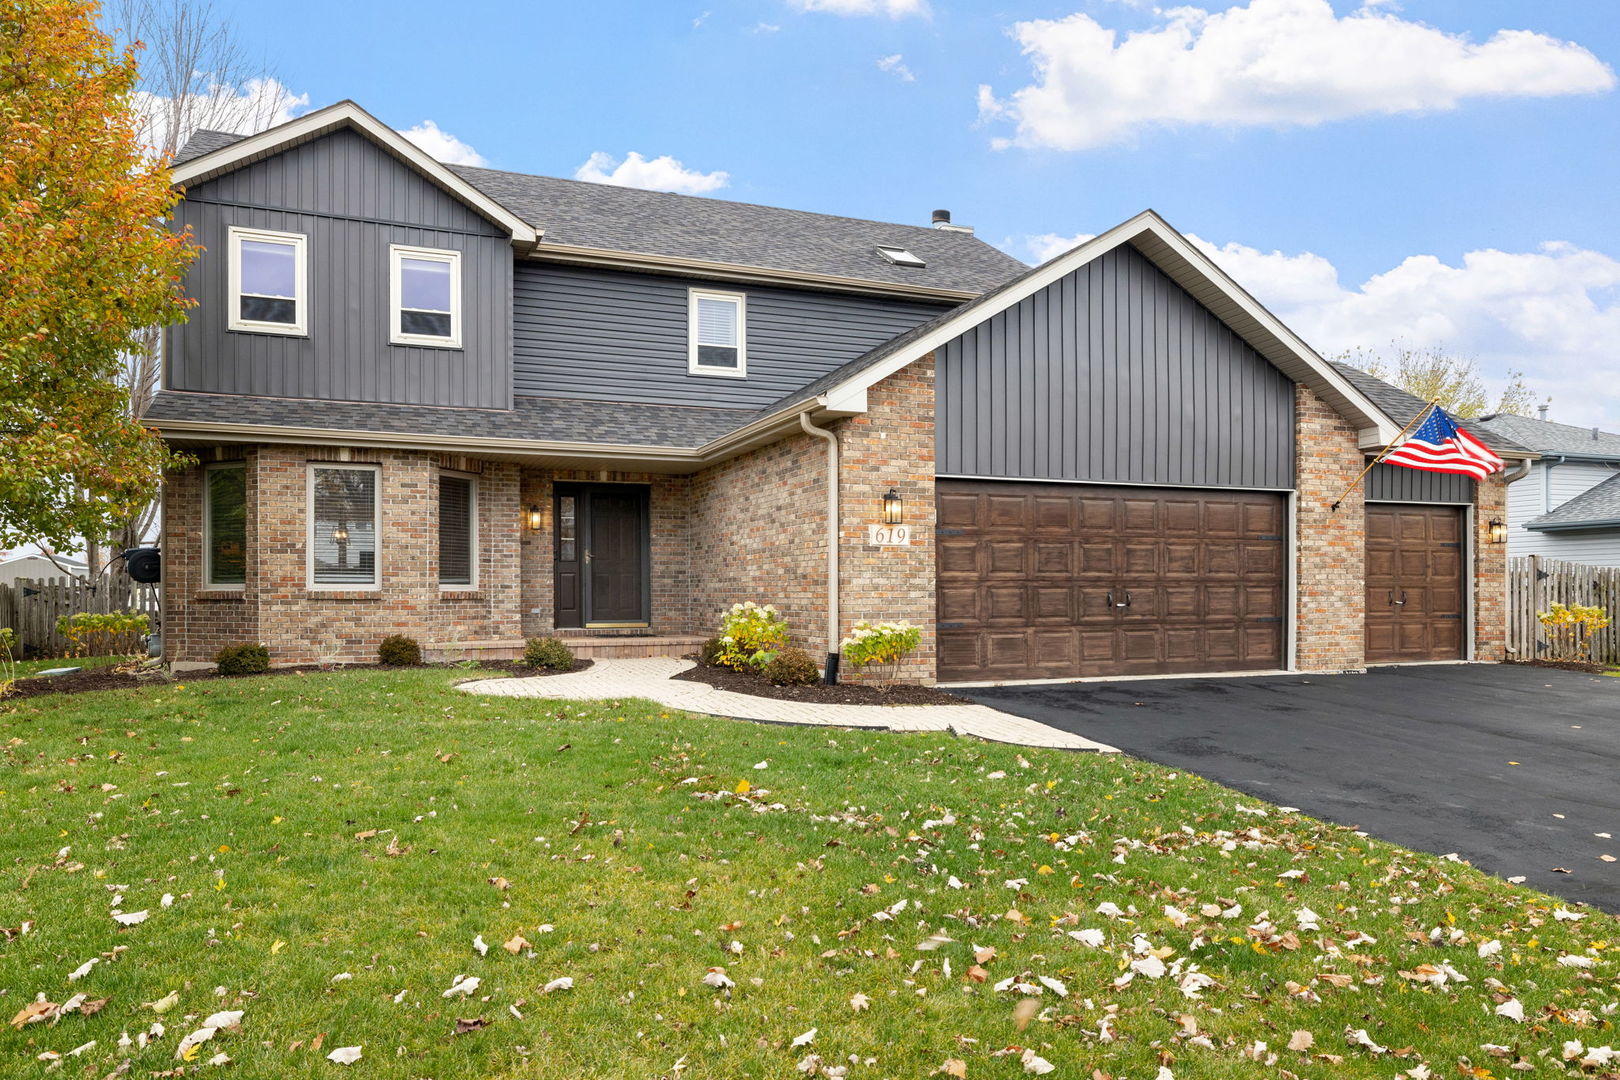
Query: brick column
x=1490, y=571
x=1330, y=546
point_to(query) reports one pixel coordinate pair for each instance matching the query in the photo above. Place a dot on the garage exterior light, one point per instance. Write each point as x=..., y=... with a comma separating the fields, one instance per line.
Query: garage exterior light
x=1497, y=531
x=894, y=508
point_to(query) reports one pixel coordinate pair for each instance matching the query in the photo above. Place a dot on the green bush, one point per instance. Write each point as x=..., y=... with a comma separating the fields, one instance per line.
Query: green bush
x=243, y=660
x=397, y=650
x=709, y=651
x=791, y=667
x=749, y=635
x=548, y=652
x=116, y=633
x=881, y=646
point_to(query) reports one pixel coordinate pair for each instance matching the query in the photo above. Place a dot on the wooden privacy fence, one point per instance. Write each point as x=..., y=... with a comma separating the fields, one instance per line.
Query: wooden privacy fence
x=32, y=606
x=1536, y=583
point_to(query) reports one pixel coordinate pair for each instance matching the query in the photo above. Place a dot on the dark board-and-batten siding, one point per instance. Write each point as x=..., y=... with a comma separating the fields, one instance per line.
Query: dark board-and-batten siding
x=351, y=200
x=1113, y=374
x=612, y=336
x=1393, y=483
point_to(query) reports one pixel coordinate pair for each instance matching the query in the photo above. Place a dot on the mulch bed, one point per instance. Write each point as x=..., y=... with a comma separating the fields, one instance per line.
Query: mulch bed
x=741, y=682
x=1564, y=665
x=108, y=678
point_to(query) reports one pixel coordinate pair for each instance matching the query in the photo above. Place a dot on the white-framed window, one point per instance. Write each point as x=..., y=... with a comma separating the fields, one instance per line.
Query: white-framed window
x=225, y=526
x=269, y=281
x=424, y=289
x=458, y=531
x=717, y=342
x=342, y=541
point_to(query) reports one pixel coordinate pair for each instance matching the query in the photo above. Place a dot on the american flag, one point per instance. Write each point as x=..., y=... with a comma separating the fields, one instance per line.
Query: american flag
x=1439, y=445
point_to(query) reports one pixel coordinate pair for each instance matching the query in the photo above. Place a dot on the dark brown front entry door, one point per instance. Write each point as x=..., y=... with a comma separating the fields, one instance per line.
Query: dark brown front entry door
x=1414, y=583
x=1069, y=580
x=601, y=555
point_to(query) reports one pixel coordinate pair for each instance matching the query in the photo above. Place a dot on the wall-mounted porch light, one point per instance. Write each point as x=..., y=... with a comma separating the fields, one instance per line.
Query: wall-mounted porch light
x=534, y=518
x=340, y=535
x=894, y=509
x=1497, y=531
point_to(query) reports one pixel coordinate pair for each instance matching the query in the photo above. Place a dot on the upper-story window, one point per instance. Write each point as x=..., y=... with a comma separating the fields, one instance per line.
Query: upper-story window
x=425, y=286
x=268, y=282
x=717, y=337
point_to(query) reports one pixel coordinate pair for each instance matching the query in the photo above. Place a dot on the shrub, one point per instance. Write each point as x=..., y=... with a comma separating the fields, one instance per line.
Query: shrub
x=709, y=651
x=548, y=652
x=397, y=650
x=117, y=633
x=8, y=660
x=881, y=646
x=749, y=634
x=791, y=667
x=1570, y=628
x=243, y=660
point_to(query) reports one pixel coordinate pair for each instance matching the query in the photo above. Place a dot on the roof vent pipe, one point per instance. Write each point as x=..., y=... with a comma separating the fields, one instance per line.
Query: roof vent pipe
x=941, y=217
x=1542, y=409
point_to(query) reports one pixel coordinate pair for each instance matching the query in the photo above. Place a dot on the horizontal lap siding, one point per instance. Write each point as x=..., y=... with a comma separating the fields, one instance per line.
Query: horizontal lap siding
x=351, y=200
x=1393, y=483
x=1113, y=374
x=613, y=336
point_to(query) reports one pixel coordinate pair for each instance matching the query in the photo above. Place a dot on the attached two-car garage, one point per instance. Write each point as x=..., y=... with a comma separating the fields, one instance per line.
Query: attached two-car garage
x=1067, y=580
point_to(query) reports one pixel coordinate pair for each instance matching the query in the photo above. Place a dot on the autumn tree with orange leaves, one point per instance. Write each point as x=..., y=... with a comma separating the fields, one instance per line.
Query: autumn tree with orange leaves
x=86, y=264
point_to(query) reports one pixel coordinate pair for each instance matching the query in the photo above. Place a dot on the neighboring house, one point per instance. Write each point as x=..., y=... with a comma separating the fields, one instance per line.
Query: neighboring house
x=38, y=567
x=473, y=407
x=1569, y=505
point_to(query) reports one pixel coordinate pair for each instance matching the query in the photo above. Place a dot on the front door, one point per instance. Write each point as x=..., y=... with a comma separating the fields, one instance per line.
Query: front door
x=601, y=554
x=1415, y=592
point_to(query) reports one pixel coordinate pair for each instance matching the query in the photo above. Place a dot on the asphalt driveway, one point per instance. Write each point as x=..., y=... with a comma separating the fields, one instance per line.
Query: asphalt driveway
x=1516, y=769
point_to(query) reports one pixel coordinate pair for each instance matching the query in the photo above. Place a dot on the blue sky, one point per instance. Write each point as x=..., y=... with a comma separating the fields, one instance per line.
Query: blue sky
x=1371, y=171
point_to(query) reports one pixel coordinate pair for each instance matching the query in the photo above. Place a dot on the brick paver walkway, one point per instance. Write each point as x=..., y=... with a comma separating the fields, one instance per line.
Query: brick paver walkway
x=651, y=678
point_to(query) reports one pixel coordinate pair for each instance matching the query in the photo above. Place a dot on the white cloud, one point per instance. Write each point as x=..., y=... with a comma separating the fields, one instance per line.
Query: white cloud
x=1269, y=62
x=658, y=174
x=443, y=146
x=1552, y=313
x=894, y=9
x=701, y=19
x=896, y=66
x=243, y=109
x=765, y=28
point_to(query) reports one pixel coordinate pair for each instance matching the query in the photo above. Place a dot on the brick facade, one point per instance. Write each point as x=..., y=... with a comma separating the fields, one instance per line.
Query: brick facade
x=1330, y=545
x=1490, y=571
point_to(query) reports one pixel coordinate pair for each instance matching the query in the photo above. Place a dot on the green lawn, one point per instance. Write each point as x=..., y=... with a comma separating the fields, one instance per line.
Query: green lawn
x=25, y=668
x=334, y=843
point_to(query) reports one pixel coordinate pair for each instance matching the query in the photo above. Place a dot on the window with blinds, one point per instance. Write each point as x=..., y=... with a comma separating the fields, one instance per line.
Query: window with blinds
x=225, y=526
x=343, y=526
x=457, y=528
x=717, y=336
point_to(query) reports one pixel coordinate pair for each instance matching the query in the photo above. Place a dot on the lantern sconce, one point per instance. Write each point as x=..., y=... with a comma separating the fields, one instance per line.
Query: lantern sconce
x=535, y=521
x=893, y=508
x=340, y=535
x=1497, y=531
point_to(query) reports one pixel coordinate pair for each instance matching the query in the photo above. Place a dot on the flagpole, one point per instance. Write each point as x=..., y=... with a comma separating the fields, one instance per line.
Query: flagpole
x=1381, y=454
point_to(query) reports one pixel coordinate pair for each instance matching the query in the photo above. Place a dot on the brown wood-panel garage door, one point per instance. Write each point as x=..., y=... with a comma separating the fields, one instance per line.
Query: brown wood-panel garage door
x=1070, y=580
x=1414, y=583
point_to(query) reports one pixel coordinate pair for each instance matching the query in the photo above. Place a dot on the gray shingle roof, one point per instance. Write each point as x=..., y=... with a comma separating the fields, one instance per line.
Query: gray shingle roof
x=1547, y=437
x=1401, y=407
x=1596, y=507
x=536, y=418
x=610, y=218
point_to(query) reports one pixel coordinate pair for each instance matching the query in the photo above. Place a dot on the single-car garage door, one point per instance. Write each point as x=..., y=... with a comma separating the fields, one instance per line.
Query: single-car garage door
x=1071, y=580
x=1414, y=583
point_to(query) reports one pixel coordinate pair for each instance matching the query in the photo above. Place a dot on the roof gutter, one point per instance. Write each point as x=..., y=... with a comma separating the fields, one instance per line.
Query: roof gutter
x=1558, y=526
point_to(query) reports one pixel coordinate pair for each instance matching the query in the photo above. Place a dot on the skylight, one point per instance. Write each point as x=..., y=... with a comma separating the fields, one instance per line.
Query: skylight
x=899, y=256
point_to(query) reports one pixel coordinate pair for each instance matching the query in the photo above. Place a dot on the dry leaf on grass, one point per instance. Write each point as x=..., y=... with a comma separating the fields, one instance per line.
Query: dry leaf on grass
x=345, y=1055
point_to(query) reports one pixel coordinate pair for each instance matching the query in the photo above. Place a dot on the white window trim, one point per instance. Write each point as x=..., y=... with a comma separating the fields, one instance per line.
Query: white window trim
x=396, y=254
x=309, y=529
x=472, y=537
x=208, y=529
x=299, y=328
x=692, y=365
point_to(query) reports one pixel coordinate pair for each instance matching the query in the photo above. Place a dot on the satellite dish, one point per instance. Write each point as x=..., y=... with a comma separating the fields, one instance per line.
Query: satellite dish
x=145, y=565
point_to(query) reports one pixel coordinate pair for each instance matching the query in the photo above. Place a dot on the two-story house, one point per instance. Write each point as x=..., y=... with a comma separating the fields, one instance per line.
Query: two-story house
x=1568, y=507
x=474, y=406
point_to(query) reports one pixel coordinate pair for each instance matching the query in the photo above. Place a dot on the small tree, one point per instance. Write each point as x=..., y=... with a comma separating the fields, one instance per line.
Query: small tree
x=1570, y=628
x=1436, y=375
x=86, y=265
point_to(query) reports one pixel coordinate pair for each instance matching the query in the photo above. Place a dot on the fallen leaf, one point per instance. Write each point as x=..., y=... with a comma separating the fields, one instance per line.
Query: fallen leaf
x=954, y=1067
x=477, y=1023
x=129, y=918
x=480, y=945
x=345, y=1055
x=500, y=883
x=806, y=1038
x=1301, y=1040
x=516, y=945
x=463, y=985
x=33, y=1013
x=566, y=982
x=860, y=1002
x=1025, y=1011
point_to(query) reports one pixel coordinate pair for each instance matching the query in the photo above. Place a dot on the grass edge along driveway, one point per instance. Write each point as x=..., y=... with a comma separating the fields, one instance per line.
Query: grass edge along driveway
x=643, y=892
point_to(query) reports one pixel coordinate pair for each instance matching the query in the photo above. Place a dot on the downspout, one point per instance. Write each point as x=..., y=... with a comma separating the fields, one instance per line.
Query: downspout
x=830, y=672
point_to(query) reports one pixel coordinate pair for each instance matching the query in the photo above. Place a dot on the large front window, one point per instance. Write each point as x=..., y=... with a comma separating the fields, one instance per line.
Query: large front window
x=426, y=288
x=225, y=526
x=343, y=526
x=268, y=276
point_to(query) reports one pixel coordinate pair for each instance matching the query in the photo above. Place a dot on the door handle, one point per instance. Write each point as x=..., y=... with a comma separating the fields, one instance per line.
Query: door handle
x=1392, y=599
x=1111, y=603
x=587, y=558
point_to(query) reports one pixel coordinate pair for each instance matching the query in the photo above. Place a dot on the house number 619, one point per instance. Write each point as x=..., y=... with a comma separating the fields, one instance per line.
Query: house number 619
x=888, y=535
